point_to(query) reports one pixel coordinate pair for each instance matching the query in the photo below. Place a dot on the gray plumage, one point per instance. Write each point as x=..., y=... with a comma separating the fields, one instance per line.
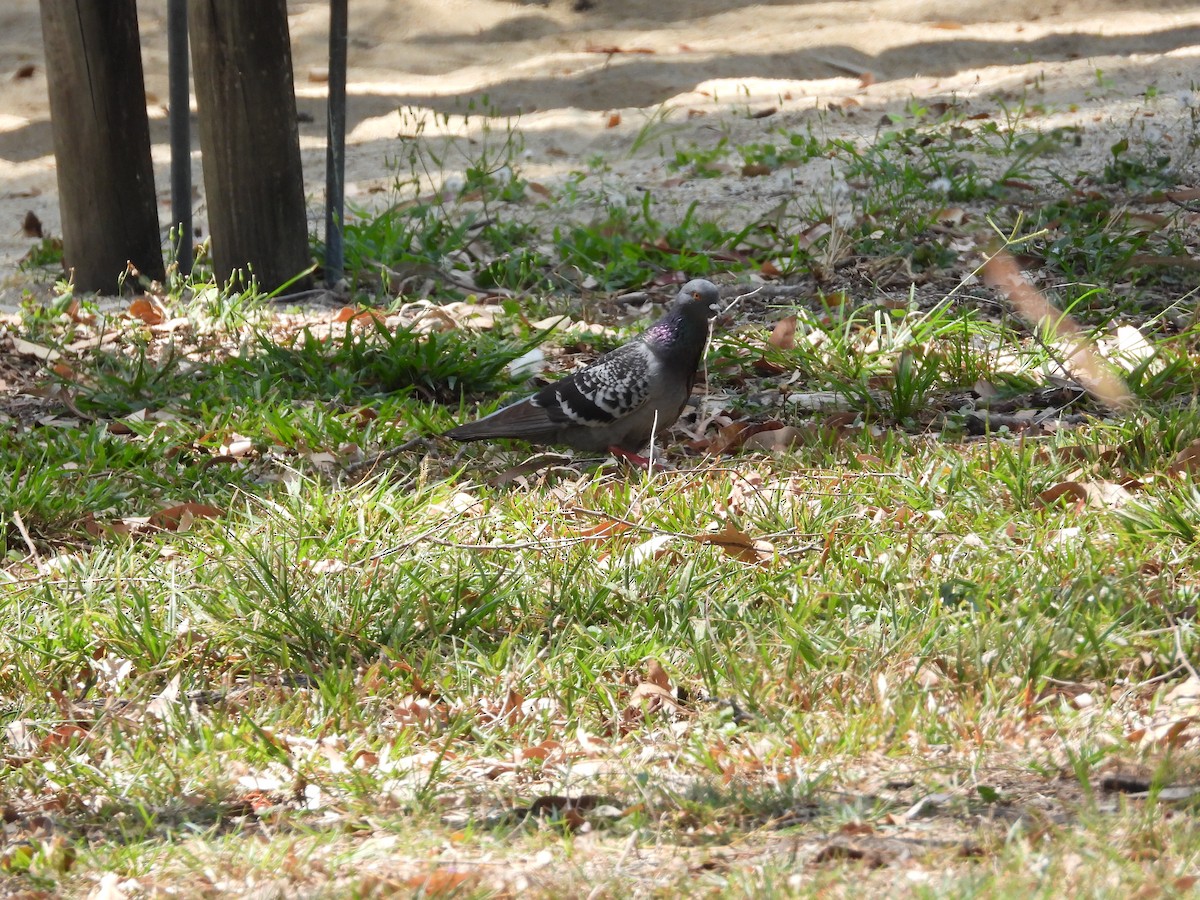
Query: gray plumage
x=622, y=398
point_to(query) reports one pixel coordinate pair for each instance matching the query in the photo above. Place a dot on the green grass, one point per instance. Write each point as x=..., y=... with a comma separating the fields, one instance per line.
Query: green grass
x=375, y=679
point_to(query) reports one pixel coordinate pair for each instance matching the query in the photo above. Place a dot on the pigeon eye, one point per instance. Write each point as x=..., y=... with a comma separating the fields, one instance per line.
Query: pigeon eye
x=695, y=295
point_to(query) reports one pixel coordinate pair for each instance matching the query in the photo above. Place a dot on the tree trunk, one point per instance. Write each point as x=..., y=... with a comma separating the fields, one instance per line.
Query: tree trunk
x=101, y=141
x=249, y=141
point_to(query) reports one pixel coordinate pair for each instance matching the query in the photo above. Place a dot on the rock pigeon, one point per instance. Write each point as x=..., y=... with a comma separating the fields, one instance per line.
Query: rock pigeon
x=623, y=398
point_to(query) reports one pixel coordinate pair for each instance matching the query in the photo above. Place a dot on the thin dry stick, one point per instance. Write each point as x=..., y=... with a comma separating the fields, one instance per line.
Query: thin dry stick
x=1179, y=654
x=385, y=456
x=33, y=551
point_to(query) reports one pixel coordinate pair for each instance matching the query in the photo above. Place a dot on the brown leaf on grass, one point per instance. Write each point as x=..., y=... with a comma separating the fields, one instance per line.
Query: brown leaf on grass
x=656, y=674
x=507, y=710
x=31, y=225
x=605, y=529
x=770, y=269
x=614, y=119
x=812, y=234
x=735, y=435
x=740, y=545
x=1096, y=494
x=765, y=113
x=543, y=751
x=775, y=440
x=755, y=170
x=1187, y=460
x=354, y=314
x=730, y=437
x=841, y=850
x=1164, y=734
x=952, y=215
x=441, y=882
x=856, y=829
x=764, y=366
x=419, y=712
x=181, y=516
x=651, y=698
x=82, y=316
x=783, y=335
x=63, y=736
x=147, y=309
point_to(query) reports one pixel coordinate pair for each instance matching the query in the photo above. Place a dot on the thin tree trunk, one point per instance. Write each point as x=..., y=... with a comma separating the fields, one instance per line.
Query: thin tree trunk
x=101, y=141
x=249, y=140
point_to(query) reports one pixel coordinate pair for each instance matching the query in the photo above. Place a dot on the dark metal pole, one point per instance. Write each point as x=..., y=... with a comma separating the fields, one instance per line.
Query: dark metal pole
x=335, y=154
x=181, y=141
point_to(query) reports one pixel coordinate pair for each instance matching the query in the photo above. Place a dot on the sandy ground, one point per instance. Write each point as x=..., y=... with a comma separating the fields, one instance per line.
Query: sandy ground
x=1090, y=63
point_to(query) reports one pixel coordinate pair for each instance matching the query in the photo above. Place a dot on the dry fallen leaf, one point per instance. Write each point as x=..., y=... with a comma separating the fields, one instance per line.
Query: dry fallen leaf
x=1096, y=494
x=353, y=314
x=776, y=440
x=605, y=529
x=656, y=674
x=148, y=309
x=652, y=698
x=439, y=883
x=180, y=516
x=31, y=225
x=1187, y=460
x=783, y=335
x=740, y=545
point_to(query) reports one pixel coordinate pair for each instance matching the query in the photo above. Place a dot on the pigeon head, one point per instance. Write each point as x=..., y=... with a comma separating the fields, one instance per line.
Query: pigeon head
x=698, y=296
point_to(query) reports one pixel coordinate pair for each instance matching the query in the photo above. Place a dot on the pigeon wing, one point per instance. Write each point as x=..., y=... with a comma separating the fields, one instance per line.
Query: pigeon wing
x=607, y=391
